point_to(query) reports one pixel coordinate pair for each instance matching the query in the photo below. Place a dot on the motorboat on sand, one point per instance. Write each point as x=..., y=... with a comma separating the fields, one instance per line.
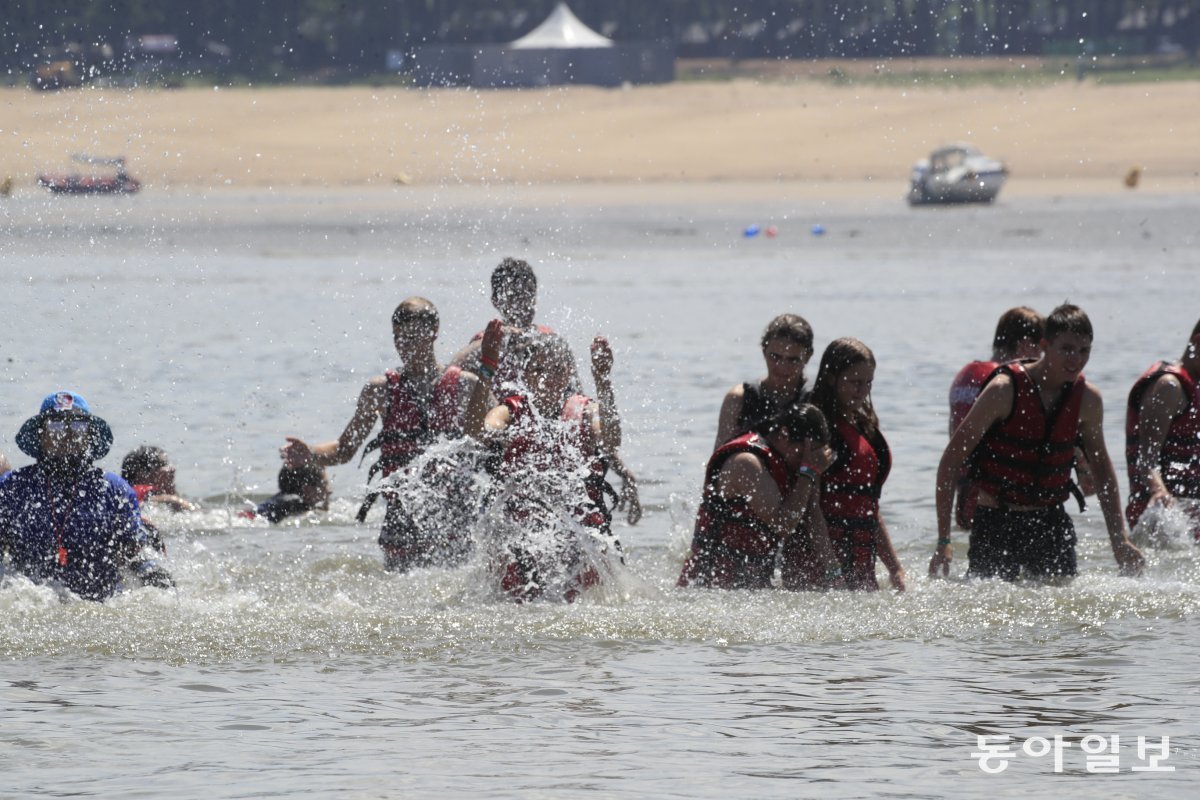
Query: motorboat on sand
x=119, y=183
x=957, y=173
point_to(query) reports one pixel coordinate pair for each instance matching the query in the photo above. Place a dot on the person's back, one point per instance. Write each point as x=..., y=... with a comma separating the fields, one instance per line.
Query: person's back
x=301, y=489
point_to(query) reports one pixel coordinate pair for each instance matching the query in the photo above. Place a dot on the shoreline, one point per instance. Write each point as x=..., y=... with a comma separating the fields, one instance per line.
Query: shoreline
x=26, y=201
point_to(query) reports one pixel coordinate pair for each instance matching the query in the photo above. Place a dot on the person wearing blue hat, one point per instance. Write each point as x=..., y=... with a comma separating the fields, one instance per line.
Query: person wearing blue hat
x=65, y=521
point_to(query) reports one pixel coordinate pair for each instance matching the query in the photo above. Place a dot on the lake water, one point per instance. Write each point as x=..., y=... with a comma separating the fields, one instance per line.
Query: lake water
x=288, y=663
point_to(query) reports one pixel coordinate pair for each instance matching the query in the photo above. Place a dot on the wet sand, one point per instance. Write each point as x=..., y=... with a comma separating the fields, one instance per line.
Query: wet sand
x=803, y=138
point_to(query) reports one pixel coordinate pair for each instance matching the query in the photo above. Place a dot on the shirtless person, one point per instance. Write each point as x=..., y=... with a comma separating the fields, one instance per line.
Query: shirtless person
x=416, y=404
x=1022, y=433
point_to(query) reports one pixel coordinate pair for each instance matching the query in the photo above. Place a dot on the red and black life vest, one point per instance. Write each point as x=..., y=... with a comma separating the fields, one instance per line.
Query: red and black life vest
x=535, y=448
x=563, y=450
x=1179, y=461
x=965, y=389
x=409, y=426
x=850, y=491
x=731, y=547
x=1026, y=460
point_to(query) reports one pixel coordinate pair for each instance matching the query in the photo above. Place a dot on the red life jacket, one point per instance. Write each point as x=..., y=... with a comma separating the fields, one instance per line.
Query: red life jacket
x=543, y=451
x=1026, y=460
x=531, y=447
x=731, y=547
x=535, y=448
x=965, y=389
x=1179, y=461
x=409, y=427
x=850, y=491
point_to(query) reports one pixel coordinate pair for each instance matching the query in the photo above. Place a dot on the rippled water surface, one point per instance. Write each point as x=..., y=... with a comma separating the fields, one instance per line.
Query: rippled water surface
x=289, y=663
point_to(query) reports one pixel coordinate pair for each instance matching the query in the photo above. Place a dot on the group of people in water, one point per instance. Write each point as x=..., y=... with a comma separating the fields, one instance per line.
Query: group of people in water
x=791, y=492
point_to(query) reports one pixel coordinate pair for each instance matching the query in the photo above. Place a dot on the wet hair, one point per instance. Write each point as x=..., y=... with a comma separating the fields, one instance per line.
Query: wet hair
x=527, y=347
x=140, y=462
x=792, y=327
x=513, y=272
x=294, y=480
x=1068, y=319
x=839, y=356
x=799, y=422
x=415, y=309
x=1015, y=326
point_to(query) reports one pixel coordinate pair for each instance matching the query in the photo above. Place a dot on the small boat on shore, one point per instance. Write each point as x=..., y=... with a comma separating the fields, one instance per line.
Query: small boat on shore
x=957, y=173
x=119, y=183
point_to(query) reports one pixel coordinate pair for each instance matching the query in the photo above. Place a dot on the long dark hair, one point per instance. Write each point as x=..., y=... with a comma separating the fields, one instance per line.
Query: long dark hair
x=839, y=356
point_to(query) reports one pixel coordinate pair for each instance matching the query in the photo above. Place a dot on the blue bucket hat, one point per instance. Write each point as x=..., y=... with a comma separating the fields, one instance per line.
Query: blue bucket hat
x=29, y=438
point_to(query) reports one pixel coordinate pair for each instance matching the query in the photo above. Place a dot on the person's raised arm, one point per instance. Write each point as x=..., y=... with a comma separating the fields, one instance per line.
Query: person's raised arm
x=609, y=418
x=371, y=403
x=993, y=405
x=479, y=420
x=1091, y=438
x=1161, y=403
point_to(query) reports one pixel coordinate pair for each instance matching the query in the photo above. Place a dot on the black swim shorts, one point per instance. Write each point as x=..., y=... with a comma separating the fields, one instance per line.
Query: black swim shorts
x=1005, y=543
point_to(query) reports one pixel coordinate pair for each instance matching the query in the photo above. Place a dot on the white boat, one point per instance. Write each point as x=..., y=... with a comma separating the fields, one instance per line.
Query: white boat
x=957, y=173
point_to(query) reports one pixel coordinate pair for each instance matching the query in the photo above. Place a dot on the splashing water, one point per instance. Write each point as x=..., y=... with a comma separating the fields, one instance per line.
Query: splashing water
x=1170, y=527
x=525, y=533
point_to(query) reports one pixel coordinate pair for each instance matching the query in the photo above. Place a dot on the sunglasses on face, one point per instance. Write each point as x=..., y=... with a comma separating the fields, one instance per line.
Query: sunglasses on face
x=62, y=426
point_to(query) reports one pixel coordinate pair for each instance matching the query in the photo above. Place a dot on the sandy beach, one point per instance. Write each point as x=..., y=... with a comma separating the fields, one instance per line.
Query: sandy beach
x=1064, y=138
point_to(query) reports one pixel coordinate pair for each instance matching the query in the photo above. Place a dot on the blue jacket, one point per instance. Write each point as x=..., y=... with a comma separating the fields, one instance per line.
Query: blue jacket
x=79, y=533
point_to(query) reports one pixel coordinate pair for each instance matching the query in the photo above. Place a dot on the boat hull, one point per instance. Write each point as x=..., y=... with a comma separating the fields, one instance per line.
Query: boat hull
x=84, y=184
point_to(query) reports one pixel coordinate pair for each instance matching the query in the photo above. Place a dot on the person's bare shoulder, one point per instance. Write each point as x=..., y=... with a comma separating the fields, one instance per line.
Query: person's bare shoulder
x=741, y=473
x=1091, y=406
x=1166, y=390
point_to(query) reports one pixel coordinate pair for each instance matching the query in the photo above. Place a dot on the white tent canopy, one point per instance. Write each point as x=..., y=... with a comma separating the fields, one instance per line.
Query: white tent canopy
x=561, y=30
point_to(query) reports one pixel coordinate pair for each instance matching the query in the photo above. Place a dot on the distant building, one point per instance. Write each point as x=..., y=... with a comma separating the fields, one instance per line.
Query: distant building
x=562, y=50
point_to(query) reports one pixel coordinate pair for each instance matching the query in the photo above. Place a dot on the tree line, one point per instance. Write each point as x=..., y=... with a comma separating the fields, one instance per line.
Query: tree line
x=285, y=38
